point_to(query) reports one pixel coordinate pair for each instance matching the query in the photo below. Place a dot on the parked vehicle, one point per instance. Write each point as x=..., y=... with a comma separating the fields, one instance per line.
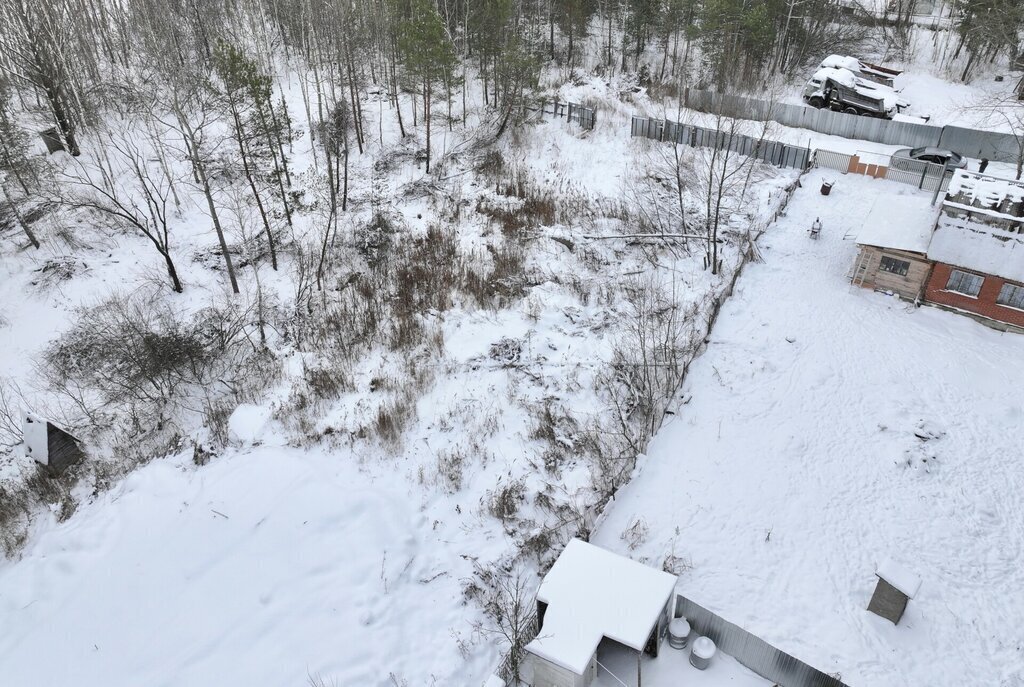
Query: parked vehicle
x=866, y=70
x=937, y=156
x=838, y=89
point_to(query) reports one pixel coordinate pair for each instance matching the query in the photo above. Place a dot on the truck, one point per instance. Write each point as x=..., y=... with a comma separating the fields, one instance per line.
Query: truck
x=864, y=70
x=840, y=90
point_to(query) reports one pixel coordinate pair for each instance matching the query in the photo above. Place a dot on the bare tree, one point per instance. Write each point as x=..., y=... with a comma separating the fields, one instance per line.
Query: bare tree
x=507, y=600
x=123, y=185
x=194, y=117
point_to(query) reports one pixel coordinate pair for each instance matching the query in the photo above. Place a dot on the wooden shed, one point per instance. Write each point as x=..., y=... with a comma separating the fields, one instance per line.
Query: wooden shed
x=590, y=595
x=896, y=586
x=49, y=445
x=893, y=243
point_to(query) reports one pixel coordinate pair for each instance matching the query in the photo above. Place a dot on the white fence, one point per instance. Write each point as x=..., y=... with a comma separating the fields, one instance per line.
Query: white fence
x=971, y=142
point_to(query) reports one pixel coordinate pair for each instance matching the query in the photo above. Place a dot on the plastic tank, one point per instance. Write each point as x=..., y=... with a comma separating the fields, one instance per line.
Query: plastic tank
x=678, y=633
x=701, y=653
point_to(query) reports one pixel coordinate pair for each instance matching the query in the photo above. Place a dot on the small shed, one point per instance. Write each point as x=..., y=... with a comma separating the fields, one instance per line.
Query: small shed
x=896, y=586
x=592, y=594
x=893, y=242
x=49, y=445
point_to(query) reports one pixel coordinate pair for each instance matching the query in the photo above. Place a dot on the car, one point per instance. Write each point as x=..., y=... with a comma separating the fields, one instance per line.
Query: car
x=937, y=156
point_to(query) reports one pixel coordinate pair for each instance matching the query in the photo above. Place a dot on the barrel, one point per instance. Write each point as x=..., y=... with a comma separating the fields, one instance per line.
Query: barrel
x=701, y=653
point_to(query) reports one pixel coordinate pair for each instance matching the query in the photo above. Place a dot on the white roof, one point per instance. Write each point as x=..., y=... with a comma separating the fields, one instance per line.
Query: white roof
x=900, y=222
x=593, y=593
x=979, y=247
x=899, y=577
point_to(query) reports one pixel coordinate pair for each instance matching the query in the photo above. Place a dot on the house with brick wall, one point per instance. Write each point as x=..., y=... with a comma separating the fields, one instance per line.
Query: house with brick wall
x=969, y=257
x=977, y=250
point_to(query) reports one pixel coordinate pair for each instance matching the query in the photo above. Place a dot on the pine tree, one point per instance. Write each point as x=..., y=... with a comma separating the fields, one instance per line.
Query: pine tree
x=427, y=52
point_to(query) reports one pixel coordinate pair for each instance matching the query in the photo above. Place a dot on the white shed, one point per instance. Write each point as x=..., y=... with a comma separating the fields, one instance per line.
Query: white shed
x=588, y=595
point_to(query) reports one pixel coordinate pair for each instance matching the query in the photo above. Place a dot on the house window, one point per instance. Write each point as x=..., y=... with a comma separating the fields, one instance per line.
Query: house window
x=894, y=266
x=1011, y=295
x=965, y=283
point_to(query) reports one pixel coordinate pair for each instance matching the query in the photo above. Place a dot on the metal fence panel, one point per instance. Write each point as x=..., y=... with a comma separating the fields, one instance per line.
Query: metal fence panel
x=772, y=152
x=987, y=144
x=972, y=142
x=752, y=651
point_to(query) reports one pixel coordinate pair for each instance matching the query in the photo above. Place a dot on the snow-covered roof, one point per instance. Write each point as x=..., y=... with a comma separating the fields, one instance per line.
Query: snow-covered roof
x=978, y=247
x=899, y=577
x=593, y=593
x=840, y=76
x=985, y=192
x=900, y=222
x=971, y=242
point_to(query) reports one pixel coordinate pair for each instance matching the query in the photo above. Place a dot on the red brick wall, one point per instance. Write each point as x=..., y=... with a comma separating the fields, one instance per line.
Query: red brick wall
x=985, y=303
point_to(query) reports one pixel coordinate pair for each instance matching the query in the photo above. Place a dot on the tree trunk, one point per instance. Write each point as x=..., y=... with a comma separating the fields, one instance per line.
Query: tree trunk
x=426, y=116
x=200, y=170
x=243, y=151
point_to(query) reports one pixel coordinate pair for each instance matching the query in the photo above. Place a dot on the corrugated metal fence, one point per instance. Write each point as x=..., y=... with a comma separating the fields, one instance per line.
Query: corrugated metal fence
x=753, y=652
x=972, y=142
x=772, y=152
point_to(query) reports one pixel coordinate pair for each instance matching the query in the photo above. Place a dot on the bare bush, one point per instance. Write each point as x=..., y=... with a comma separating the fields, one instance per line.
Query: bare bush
x=504, y=502
x=135, y=359
x=451, y=468
x=507, y=599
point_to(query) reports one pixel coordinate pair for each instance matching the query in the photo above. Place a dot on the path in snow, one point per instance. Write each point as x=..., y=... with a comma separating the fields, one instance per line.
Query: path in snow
x=795, y=468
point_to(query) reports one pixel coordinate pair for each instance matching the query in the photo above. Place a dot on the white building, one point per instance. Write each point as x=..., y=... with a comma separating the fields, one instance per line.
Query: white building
x=590, y=595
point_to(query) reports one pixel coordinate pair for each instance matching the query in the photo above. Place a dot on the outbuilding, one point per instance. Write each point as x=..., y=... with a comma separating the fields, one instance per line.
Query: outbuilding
x=49, y=445
x=893, y=243
x=589, y=595
x=896, y=586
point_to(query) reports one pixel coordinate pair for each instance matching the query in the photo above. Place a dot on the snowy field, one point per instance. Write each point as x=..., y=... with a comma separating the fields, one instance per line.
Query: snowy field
x=825, y=429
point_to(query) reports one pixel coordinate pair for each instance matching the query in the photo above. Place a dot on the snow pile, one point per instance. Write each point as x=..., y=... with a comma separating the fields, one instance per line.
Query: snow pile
x=987, y=192
x=840, y=76
x=592, y=593
x=248, y=423
x=851, y=64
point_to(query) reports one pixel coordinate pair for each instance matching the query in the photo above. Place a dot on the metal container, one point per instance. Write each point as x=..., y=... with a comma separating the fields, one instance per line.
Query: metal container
x=826, y=187
x=678, y=633
x=701, y=653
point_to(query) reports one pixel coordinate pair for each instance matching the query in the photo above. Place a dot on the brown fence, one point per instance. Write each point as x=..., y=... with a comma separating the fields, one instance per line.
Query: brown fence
x=761, y=657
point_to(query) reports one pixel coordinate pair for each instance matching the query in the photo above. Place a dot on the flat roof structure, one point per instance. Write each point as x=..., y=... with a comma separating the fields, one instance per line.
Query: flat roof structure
x=593, y=593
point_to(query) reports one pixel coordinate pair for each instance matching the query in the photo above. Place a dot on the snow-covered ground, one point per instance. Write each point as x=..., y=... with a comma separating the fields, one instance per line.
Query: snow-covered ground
x=826, y=429
x=671, y=668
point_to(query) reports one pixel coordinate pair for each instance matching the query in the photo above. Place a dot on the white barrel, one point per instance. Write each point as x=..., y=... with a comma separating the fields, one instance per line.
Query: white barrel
x=701, y=653
x=678, y=633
